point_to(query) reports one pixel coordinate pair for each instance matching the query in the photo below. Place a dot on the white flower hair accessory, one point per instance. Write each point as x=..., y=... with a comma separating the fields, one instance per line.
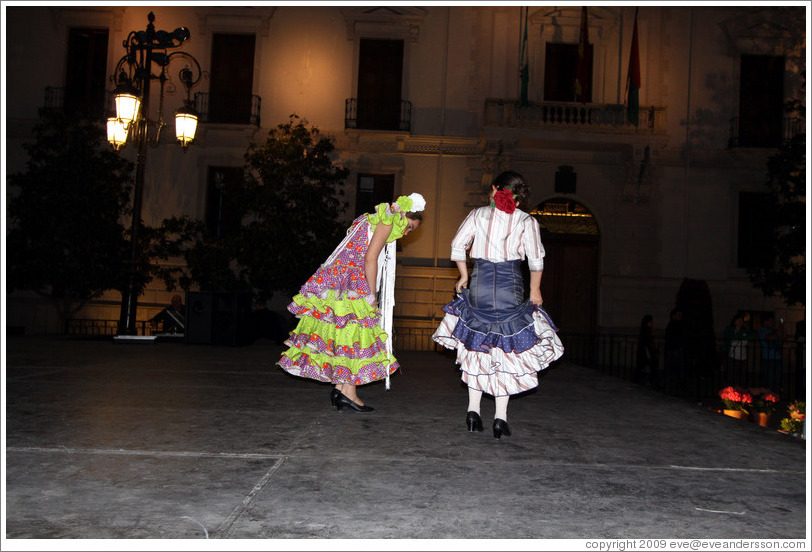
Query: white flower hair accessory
x=411, y=204
x=418, y=202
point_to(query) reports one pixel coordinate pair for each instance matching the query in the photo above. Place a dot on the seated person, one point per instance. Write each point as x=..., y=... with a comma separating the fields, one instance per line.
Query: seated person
x=172, y=317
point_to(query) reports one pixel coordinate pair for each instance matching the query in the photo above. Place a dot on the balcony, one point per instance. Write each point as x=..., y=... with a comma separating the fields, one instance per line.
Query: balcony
x=377, y=115
x=757, y=134
x=572, y=116
x=234, y=116
x=55, y=99
x=97, y=107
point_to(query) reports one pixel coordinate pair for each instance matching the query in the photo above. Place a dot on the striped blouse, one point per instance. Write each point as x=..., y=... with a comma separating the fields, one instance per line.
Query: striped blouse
x=496, y=236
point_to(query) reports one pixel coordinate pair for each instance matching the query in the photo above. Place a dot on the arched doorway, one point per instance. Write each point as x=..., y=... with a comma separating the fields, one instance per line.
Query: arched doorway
x=571, y=242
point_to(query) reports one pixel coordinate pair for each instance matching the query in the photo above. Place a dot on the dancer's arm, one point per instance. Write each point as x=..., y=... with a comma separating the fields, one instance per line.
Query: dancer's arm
x=535, y=287
x=462, y=266
x=379, y=237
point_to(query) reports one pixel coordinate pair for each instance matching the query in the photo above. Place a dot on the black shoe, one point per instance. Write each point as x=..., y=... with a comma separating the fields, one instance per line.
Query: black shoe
x=334, y=395
x=473, y=421
x=343, y=401
x=500, y=427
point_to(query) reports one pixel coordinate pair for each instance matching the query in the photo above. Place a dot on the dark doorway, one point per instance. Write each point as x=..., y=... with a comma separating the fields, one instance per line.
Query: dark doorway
x=560, y=72
x=373, y=189
x=222, y=217
x=761, y=101
x=380, y=78
x=85, y=93
x=231, y=78
x=571, y=264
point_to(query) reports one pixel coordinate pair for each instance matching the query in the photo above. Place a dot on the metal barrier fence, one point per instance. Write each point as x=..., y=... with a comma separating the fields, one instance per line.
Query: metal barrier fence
x=84, y=326
x=697, y=373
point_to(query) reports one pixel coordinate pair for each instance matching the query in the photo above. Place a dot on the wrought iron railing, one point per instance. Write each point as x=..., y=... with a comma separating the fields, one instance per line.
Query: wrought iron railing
x=703, y=372
x=92, y=327
x=55, y=99
x=382, y=118
x=791, y=127
x=202, y=107
x=564, y=115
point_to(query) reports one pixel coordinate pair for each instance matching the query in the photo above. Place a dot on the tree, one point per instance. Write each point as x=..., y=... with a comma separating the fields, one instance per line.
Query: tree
x=784, y=271
x=66, y=241
x=290, y=205
x=292, y=200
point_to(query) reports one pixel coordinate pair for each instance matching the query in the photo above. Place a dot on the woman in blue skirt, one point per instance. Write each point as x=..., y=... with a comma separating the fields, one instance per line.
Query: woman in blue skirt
x=502, y=339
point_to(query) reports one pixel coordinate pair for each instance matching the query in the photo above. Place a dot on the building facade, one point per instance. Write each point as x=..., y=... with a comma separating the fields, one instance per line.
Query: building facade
x=431, y=100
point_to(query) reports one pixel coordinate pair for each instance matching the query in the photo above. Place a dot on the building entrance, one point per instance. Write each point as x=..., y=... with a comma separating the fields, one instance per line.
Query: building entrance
x=569, y=286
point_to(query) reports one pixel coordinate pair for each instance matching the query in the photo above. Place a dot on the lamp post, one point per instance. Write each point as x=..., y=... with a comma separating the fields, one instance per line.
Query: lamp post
x=132, y=95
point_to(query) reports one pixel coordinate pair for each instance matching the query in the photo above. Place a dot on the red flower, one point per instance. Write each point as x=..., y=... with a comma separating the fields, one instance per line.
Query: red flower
x=504, y=201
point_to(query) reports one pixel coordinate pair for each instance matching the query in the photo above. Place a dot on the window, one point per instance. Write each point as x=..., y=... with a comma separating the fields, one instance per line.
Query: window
x=755, y=238
x=85, y=92
x=761, y=106
x=380, y=77
x=560, y=71
x=232, y=78
x=373, y=189
x=222, y=217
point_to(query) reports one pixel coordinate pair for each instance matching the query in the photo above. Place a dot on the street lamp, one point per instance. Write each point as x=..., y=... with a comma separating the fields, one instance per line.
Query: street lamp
x=132, y=94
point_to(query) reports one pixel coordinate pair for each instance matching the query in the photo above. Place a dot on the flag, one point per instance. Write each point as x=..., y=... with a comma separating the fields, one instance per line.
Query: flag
x=633, y=79
x=524, y=72
x=583, y=70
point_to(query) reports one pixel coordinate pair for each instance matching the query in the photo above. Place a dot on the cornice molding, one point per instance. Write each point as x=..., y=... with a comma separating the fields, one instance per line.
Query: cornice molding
x=766, y=32
x=255, y=19
x=102, y=17
x=383, y=22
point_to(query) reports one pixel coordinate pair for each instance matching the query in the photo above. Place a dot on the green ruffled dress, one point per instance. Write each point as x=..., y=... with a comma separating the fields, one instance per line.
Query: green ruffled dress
x=339, y=338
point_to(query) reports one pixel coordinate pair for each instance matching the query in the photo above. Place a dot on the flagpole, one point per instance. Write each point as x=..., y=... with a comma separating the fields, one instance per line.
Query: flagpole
x=524, y=75
x=633, y=81
x=620, y=56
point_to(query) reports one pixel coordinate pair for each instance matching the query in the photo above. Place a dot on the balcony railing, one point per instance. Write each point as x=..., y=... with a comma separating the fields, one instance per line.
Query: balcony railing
x=55, y=99
x=699, y=374
x=377, y=115
x=790, y=127
x=202, y=107
x=571, y=115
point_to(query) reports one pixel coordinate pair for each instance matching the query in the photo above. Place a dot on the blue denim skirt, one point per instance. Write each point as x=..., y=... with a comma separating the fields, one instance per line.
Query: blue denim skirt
x=496, y=285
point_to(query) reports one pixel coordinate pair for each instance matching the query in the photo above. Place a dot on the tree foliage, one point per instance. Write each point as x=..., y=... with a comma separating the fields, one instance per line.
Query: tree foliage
x=289, y=202
x=784, y=271
x=66, y=240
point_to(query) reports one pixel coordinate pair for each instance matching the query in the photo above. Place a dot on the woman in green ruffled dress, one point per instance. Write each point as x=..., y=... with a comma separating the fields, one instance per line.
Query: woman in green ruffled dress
x=343, y=336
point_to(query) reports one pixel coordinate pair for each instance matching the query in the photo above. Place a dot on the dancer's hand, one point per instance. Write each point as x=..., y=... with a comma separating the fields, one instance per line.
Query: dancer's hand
x=535, y=297
x=461, y=283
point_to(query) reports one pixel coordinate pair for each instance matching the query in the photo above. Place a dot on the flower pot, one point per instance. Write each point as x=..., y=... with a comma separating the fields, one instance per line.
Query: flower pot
x=761, y=418
x=740, y=414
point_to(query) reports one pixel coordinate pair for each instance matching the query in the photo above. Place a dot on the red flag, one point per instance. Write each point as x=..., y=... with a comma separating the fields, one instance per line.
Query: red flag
x=583, y=71
x=633, y=79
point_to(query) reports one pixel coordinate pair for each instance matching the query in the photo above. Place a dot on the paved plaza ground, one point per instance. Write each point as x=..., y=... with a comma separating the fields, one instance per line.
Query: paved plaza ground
x=170, y=440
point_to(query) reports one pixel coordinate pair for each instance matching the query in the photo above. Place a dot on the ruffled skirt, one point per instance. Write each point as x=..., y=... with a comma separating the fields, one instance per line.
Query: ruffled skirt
x=502, y=341
x=338, y=338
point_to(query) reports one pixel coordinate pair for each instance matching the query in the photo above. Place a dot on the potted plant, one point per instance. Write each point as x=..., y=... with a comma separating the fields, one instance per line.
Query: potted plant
x=763, y=405
x=794, y=422
x=737, y=402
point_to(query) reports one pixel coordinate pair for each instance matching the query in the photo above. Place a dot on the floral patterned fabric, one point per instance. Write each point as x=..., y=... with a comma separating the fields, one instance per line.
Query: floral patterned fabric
x=339, y=338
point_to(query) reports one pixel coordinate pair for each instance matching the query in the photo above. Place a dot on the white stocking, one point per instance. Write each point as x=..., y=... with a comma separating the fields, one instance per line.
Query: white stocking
x=501, y=407
x=474, y=398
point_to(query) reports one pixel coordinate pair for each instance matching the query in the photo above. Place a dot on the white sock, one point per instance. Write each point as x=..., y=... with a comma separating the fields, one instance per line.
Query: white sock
x=474, y=398
x=501, y=407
